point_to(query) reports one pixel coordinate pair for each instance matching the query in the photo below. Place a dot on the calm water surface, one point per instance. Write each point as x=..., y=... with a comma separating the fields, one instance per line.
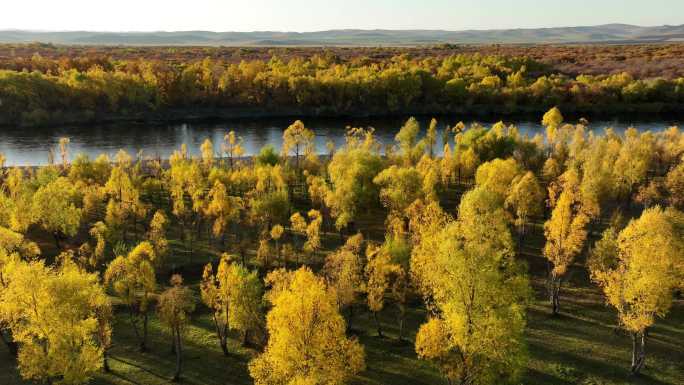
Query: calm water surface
x=23, y=146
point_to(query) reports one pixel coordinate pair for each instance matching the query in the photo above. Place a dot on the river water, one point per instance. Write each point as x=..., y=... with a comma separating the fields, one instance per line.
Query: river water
x=30, y=146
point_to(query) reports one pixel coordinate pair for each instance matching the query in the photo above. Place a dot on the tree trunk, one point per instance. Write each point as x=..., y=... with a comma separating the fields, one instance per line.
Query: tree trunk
x=555, y=306
x=105, y=362
x=464, y=378
x=56, y=236
x=402, y=316
x=143, y=343
x=222, y=333
x=297, y=158
x=134, y=323
x=554, y=294
x=199, y=227
x=638, y=352
x=245, y=338
x=190, y=238
x=224, y=345
x=643, y=349
x=377, y=324
x=176, y=376
x=351, y=316
x=634, y=351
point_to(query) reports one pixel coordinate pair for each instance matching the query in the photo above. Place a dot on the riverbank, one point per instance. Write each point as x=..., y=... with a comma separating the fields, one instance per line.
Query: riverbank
x=54, y=92
x=473, y=112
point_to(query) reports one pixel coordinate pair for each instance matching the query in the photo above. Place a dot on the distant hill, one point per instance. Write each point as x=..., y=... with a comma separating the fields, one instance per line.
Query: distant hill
x=609, y=33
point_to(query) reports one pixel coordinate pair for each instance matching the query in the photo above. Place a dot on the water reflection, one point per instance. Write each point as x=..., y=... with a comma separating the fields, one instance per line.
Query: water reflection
x=22, y=146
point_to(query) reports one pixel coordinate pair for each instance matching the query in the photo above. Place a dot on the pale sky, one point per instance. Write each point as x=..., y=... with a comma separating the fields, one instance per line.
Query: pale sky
x=316, y=15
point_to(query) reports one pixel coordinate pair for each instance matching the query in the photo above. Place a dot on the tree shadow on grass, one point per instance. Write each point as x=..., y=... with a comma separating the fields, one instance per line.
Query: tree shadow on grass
x=135, y=365
x=203, y=361
x=534, y=376
x=585, y=329
x=376, y=375
x=125, y=378
x=391, y=362
x=577, y=367
x=589, y=333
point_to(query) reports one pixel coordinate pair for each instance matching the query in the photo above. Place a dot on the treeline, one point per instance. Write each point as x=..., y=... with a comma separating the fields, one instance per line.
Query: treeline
x=92, y=89
x=452, y=225
x=642, y=61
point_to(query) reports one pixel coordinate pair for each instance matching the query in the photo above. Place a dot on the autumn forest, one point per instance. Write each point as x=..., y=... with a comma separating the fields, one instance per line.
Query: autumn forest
x=504, y=257
x=42, y=84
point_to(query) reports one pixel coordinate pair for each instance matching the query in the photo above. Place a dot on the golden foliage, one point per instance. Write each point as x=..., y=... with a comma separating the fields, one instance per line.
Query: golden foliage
x=640, y=267
x=307, y=344
x=57, y=316
x=478, y=292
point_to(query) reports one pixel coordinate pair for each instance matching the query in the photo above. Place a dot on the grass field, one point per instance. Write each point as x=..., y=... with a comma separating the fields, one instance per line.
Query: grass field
x=581, y=346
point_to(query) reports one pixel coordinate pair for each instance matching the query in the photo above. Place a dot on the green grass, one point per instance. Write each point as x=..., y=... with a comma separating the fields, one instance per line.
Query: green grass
x=582, y=346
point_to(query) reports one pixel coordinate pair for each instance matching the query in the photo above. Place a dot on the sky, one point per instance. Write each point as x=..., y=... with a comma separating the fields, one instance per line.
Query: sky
x=317, y=15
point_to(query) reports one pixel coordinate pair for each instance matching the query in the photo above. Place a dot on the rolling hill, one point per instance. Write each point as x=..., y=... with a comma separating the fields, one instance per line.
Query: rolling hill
x=608, y=33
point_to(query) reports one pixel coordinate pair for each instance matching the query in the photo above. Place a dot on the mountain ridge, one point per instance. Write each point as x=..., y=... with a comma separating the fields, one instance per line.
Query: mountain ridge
x=606, y=33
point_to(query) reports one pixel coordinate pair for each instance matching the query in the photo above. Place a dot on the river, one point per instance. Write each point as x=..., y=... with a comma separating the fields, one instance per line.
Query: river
x=30, y=146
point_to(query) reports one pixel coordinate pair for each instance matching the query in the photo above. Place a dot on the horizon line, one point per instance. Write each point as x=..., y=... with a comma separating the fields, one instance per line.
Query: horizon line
x=336, y=29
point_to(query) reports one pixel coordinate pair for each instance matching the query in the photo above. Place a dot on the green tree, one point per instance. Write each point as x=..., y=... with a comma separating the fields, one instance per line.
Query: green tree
x=351, y=172
x=269, y=200
x=223, y=208
x=343, y=271
x=133, y=279
x=639, y=269
x=633, y=161
x=431, y=137
x=377, y=271
x=124, y=199
x=54, y=206
x=565, y=234
x=174, y=308
x=525, y=199
x=410, y=146
x=478, y=292
x=187, y=186
x=234, y=294
x=232, y=147
x=498, y=175
x=157, y=235
x=297, y=139
x=400, y=186
x=64, y=151
x=98, y=232
x=552, y=120
x=207, y=150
